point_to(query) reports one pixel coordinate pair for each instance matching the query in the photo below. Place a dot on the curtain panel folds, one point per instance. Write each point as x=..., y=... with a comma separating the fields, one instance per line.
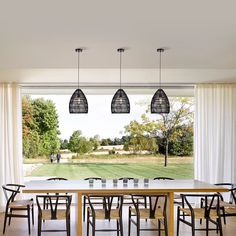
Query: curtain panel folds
x=11, y=168
x=215, y=133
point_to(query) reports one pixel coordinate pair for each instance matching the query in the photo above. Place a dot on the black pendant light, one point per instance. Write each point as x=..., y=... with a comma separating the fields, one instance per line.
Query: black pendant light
x=120, y=102
x=160, y=102
x=78, y=101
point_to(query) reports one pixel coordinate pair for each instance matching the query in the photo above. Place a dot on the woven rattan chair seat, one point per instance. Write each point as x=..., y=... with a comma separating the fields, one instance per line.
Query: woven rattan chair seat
x=61, y=214
x=199, y=213
x=100, y=214
x=222, y=204
x=145, y=213
x=21, y=203
x=231, y=210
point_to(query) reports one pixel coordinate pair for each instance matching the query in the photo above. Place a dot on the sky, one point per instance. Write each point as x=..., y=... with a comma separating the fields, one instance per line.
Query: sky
x=99, y=119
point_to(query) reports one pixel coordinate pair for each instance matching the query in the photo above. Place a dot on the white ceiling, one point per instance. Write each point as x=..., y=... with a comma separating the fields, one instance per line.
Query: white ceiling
x=199, y=35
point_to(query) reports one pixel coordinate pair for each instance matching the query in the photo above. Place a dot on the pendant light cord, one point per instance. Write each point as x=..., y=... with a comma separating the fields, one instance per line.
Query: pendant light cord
x=160, y=70
x=78, y=68
x=120, y=68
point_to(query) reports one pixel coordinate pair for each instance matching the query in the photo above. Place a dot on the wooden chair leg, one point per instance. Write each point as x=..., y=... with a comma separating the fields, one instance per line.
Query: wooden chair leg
x=166, y=227
x=193, y=226
x=87, y=223
x=117, y=228
x=32, y=212
x=9, y=221
x=159, y=228
x=84, y=208
x=129, y=223
x=68, y=226
x=202, y=206
x=178, y=221
x=28, y=216
x=5, y=221
x=207, y=226
x=121, y=226
x=220, y=226
x=93, y=228
x=223, y=209
x=39, y=226
x=138, y=226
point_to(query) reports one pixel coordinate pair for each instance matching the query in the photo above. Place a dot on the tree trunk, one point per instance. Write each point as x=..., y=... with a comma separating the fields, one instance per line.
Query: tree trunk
x=166, y=153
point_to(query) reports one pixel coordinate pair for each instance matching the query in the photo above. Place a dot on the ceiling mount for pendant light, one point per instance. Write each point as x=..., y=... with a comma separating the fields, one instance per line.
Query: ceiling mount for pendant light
x=120, y=101
x=160, y=102
x=78, y=102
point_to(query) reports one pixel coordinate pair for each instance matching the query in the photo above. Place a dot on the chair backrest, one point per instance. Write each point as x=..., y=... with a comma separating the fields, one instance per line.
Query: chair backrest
x=211, y=201
x=93, y=178
x=157, y=201
x=10, y=191
x=53, y=203
x=57, y=178
x=163, y=178
x=127, y=178
x=227, y=196
x=233, y=194
x=110, y=201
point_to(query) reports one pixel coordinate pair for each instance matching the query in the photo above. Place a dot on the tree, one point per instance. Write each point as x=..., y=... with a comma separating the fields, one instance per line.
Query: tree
x=27, y=124
x=167, y=126
x=183, y=144
x=47, y=124
x=45, y=115
x=105, y=142
x=139, y=136
x=64, y=144
x=79, y=144
x=85, y=146
x=95, y=141
x=40, y=127
x=74, y=140
x=31, y=137
x=167, y=129
x=117, y=141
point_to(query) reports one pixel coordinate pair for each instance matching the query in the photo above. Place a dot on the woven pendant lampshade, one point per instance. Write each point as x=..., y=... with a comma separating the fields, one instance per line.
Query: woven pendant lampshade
x=160, y=102
x=120, y=101
x=78, y=101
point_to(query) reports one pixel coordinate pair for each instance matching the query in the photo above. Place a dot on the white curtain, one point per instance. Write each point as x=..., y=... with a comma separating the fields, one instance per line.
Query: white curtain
x=11, y=168
x=215, y=133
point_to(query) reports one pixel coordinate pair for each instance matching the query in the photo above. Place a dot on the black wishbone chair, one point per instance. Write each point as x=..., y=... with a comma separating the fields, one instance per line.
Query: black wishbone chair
x=98, y=201
x=54, y=211
x=230, y=209
x=12, y=205
x=226, y=199
x=45, y=204
x=127, y=200
x=177, y=198
x=111, y=210
x=155, y=211
x=210, y=212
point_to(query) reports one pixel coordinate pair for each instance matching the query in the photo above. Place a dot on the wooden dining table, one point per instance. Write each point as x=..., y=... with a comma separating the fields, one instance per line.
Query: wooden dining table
x=82, y=187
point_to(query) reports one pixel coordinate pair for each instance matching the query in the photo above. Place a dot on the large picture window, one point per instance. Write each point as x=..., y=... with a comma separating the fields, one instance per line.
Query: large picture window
x=140, y=144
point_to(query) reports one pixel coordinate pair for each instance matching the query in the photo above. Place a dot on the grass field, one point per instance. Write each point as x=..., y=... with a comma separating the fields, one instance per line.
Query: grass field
x=115, y=170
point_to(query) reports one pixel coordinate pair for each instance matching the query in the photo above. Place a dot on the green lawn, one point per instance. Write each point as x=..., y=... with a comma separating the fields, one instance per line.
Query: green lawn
x=116, y=170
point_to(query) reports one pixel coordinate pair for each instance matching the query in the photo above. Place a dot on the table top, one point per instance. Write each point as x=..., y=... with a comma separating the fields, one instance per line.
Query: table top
x=153, y=186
